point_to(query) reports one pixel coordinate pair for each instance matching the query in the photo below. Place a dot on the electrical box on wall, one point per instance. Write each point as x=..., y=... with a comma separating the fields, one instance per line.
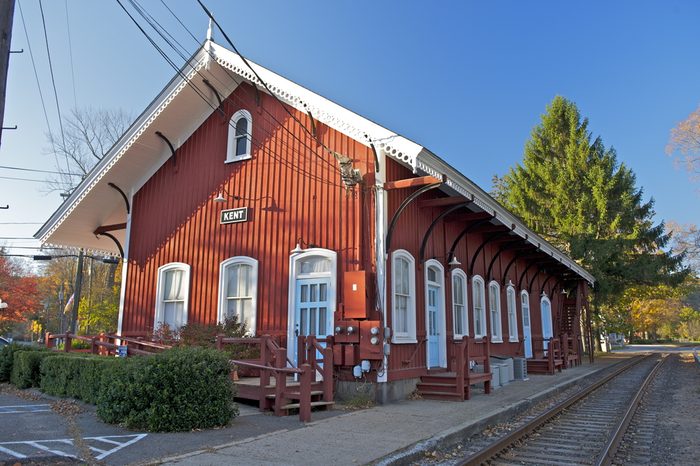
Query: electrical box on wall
x=355, y=294
x=347, y=331
x=371, y=341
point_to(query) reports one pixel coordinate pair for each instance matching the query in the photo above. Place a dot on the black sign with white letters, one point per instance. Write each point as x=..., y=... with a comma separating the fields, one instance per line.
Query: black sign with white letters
x=238, y=215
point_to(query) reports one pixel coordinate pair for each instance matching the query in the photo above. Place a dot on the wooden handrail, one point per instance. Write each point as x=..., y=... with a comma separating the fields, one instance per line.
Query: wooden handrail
x=287, y=370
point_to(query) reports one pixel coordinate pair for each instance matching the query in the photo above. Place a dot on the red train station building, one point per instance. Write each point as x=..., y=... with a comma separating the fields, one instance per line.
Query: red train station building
x=239, y=192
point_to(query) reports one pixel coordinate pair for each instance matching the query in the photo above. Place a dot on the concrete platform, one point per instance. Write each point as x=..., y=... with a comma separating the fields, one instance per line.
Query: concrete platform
x=393, y=433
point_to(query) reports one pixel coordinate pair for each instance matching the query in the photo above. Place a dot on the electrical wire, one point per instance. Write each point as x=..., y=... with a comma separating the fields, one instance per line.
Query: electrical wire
x=53, y=80
x=21, y=223
x=70, y=51
x=197, y=90
x=6, y=167
x=21, y=179
x=36, y=75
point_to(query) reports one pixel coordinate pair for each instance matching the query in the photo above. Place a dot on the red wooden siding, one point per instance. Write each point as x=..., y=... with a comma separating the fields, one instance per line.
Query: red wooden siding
x=409, y=360
x=293, y=190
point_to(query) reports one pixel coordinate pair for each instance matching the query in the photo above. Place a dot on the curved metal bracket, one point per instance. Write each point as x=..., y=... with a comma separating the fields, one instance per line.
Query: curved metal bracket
x=216, y=93
x=545, y=282
x=116, y=241
x=481, y=246
x=493, y=261
x=520, y=281
x=462, y=234
x=410, y=198
x=532, y=280
x=376, y=155
x=432, y=226
x=167, y=141
x=510, y=264
x=126, y=199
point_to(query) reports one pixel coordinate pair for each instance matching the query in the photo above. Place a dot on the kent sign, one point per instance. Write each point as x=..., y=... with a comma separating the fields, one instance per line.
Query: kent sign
x=238, y=215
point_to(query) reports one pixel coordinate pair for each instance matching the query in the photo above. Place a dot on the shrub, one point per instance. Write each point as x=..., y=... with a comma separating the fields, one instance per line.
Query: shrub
x=179, y=389
x=26, y=367
x=7, y=355
x=75, y=376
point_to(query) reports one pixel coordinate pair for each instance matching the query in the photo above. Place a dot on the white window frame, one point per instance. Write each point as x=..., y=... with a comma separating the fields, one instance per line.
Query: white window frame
x=231, y=261
x=477, y=281
x=496, y=327
x=410, y=335
x=462, y=277
x=511, y=302
x=545, y=299
x=158, y=319
x=231, y=143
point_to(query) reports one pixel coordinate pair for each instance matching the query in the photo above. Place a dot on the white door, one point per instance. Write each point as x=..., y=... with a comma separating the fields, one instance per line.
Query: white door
x=546, y=307
x=312, y=314
x=433, y=327
x=527, y=334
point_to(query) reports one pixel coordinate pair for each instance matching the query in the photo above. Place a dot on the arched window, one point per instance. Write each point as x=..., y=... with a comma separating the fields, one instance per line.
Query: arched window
x=172, y=295
x=240, y=132
x=479, y=306
x=460, y=323
x=546, y=309
x=512, y=313
x=238, y=290
x=495, y=312
x=403, y=297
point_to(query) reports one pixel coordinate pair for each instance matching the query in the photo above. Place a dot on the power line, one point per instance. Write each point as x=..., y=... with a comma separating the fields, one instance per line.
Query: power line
x=6, y=167
x=70, y=51
x=53, y=80
x=36, y=75
x=21, y=179
x=21, y=223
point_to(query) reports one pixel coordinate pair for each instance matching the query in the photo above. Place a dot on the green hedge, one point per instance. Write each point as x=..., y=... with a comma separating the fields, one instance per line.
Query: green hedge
x=177, y=390
x=75, y=376
x=7, y=355
x=26, y=367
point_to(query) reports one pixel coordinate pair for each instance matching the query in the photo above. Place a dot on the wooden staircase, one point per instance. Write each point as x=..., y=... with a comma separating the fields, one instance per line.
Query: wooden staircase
x=546, y=361
x=284, y=389
x=457, y=385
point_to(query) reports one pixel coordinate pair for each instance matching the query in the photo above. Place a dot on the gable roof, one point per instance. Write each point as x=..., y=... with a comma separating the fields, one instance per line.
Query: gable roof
x=179, y=110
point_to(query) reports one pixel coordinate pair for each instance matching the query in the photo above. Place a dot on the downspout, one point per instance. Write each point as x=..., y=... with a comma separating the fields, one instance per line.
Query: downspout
x=380, y=226
x=125, y=264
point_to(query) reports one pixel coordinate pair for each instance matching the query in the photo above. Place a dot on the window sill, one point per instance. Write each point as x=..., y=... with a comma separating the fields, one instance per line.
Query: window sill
x=239, y=159
x=404, y=341
x=496, y=340
x=513, y=340
x=459, y=337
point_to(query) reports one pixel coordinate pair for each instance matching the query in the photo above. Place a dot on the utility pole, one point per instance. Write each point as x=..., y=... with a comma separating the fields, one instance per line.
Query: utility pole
x=7, y=11
x=76, y=294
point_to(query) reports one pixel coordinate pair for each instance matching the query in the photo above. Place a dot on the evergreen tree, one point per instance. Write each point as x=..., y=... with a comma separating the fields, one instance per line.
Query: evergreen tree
x=571, y=190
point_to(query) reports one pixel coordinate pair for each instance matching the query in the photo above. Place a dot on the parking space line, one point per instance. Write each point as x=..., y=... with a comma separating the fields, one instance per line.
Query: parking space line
x=18, y=409
x=50, y=450
x=12, y=453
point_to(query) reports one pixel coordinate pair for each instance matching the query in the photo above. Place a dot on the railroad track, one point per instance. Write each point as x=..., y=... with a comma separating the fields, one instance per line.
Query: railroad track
x=586, y=428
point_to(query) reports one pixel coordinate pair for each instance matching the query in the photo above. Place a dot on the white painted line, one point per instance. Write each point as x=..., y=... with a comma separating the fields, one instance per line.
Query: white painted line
x=22, y=406
x=12, y=453
x=41, y=445
x=44, y=448
x=19, y=409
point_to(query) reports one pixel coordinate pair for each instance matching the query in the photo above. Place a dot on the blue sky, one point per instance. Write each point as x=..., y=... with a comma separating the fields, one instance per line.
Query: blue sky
x=468, y=80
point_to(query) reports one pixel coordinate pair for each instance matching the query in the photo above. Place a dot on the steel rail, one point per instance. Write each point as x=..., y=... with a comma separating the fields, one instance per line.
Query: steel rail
x=502, y=444
x=608, y=454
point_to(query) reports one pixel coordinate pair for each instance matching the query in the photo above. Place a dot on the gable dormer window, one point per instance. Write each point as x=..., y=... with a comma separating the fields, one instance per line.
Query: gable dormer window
x=240, y=130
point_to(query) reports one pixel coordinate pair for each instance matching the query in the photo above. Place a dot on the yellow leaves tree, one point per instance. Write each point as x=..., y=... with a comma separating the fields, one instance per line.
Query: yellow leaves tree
x=684, y=143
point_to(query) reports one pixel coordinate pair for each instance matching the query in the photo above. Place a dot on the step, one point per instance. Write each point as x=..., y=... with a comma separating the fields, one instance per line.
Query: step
x=447, y=378
x=440, y=396
x=314, y=404
x=296, y=395
x=437, y=387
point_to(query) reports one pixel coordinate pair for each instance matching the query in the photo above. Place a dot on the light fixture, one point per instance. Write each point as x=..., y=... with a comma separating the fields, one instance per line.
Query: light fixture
x=220, y=197
x=297, y=249
x=454, y=262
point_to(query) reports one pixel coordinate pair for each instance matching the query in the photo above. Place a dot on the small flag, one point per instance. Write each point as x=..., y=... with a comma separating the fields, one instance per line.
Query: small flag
x=69, y=305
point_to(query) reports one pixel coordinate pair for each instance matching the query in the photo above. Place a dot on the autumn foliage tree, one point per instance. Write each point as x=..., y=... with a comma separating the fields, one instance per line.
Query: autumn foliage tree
x=18, y=288
x=684, y=143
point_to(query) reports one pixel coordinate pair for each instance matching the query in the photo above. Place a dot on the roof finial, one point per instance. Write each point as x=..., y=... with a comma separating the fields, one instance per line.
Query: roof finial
x=209, y=30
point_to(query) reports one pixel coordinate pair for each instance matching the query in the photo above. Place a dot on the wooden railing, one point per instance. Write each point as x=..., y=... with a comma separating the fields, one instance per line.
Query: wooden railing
x=470, y=350
x=552, y=353
x=104, y=344
x=308, y=349
x=570, y=350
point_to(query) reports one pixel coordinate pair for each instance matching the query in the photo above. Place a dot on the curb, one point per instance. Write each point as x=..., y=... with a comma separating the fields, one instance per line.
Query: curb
x=454, y=435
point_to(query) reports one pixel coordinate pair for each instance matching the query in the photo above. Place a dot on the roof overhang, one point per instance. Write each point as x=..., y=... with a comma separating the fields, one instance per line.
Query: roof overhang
x=179, y=109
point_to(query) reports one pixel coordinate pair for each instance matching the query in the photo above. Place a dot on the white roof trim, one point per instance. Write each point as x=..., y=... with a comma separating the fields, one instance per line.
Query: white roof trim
x=361, y=129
